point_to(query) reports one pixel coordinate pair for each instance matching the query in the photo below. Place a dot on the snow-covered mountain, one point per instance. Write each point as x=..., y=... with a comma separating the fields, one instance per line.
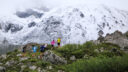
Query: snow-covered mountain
x=76, y=24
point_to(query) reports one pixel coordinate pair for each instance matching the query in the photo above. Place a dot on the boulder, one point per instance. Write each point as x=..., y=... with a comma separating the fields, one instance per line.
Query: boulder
x=4, y=56
x=102, y=49
x=73, y=58
x=53, y=58
x=96, y=50
x=19, y=55
x=1, y=63
x=24, y=58
x=7, y=63
x=86, y=56
x=60, y=71
x=49, y=67
x=117, y=38
x=39, y=69
x=2, y=69
x=22, y=68
x=32, y=67
x=11, y=62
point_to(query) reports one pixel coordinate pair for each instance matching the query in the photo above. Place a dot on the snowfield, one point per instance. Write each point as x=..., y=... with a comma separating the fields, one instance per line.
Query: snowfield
x=76, y=24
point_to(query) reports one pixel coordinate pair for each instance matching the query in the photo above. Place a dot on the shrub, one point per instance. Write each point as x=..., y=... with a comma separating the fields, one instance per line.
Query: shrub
x=99, y=64
x=87, y=48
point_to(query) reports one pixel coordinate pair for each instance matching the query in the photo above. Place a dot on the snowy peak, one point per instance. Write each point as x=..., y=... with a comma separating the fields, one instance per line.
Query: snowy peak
x=73, y=24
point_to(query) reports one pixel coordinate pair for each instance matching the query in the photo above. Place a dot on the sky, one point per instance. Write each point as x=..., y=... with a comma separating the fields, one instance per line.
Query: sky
x=8, y=7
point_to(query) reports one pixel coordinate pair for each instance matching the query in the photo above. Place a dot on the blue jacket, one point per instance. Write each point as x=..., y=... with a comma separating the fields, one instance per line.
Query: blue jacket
x=34, y=49
x=42, y=48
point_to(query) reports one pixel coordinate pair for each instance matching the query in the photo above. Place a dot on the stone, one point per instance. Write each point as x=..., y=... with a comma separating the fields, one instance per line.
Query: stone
x=4, y=56
x=60, y=71
x=38, y=57
x=49, y=67
x=44, y=70
x=53, y=58
x=24, y=58
x=102, y=49
x=9, y=63
x=1, y=63
x=73, y=58
x=32, y=67
x=23, y=66
x=2, y=69
x=96, y=50
x=39, y=69
x=86, y=56
x=19, y=55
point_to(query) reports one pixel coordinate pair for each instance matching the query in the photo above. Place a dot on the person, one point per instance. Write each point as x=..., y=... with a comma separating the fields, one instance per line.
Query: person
x=24, y=51
x=58, y=41
x=53, y=43
x=34, y=48
x=42, y=49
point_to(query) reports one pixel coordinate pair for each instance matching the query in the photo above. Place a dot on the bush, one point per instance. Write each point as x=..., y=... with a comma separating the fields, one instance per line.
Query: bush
x=68, y=50
x=99, y=64
x=87, y=48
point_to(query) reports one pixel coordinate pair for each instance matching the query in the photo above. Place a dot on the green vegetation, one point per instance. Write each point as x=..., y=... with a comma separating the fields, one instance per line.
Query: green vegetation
x=87, y=49
x=29, y=70
x=99, y=64
x=99, y=58
x=103, y=57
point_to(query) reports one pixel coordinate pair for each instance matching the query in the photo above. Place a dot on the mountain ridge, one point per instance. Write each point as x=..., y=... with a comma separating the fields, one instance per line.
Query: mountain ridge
x=72, y=24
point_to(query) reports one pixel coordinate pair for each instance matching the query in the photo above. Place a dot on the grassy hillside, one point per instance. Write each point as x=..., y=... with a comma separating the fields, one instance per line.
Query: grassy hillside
x=89, y=57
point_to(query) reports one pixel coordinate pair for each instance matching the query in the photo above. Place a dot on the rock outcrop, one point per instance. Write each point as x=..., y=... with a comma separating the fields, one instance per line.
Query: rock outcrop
x=53, y=58
x=2, y=69
x=117, y=38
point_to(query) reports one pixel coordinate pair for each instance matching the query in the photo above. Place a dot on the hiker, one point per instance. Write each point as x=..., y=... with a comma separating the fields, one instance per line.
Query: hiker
x=58, y=41
x=53, y=43
x=42, y=49
x=34, y=48
x=24, y=51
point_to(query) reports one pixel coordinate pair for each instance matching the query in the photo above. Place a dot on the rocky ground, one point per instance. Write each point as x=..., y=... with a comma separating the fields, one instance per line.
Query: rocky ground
x=102, y=55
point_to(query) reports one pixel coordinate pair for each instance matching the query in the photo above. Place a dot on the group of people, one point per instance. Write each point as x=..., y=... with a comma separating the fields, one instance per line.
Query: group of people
x=42, y=47
x=58, y=42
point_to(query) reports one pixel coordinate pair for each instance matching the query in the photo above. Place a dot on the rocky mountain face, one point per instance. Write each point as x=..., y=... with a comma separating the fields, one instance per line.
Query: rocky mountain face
x=28, y=13
x=72, y=24
x=117, y=38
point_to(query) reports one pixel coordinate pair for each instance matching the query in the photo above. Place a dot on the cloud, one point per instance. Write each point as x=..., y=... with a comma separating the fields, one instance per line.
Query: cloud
x=8, y=7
